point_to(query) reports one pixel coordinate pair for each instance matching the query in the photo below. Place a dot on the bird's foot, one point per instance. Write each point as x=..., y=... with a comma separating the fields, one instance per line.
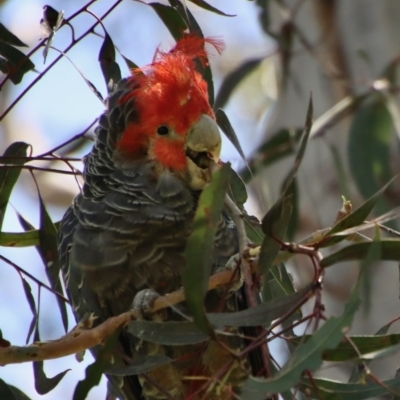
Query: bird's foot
x=143, y=303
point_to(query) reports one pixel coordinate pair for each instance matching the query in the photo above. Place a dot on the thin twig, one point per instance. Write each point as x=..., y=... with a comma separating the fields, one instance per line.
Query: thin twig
x=43, y=41
x=31, y=168
x=40, y=283
x=69, y=47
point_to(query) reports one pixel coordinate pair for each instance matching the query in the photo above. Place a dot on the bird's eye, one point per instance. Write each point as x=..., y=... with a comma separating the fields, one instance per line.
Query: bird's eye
x=163, y=130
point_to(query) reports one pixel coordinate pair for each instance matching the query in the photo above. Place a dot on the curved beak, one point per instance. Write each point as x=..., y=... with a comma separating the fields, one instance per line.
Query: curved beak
x=204, y=137
x=202, y=148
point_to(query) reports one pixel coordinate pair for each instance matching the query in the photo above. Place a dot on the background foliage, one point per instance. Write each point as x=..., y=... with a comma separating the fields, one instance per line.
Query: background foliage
x=345, y=53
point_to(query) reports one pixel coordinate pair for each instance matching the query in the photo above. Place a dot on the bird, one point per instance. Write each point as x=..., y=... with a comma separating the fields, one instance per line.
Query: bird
x=122, y=241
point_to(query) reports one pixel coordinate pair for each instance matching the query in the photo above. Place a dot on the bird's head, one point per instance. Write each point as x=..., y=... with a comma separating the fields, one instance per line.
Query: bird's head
x=175, y=124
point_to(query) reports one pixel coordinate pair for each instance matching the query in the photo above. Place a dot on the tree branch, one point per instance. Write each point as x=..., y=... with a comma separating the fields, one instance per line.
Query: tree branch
x=81, y=338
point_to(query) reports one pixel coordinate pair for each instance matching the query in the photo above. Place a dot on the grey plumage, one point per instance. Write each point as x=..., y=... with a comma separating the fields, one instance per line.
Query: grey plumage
x=126, y=231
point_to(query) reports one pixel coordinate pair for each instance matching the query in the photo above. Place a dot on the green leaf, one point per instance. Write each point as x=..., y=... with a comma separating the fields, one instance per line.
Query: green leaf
x=369, y=346
x=280, y=145
x=9, y=176
x=293, y=191
x=390, y=251
x=167, y=333
x=335, y=114
x=253, y=229
x=302, y=148
x=356, y=218
x=182, y=333
x=8, y=37
x=208, y=7
x=233, y=79
x=198, y=253
x=224, y=123
x=369, y=147
x=278, y=283
x=95, y=370
x=141, y=366
x=48, y=251
x=237, y=189
x=323, y=389
x=340, y=171
x=276, y=221
x=131, y=65
x=43, y=384
x=194, y=28
x=274, y=225
x=17, y=63
x=9, y=392
x=32, y=306
x=171, y=19
x=109, y=68
x=373, y=254
x=307, y=356
x=264, y=15
x=19, y=239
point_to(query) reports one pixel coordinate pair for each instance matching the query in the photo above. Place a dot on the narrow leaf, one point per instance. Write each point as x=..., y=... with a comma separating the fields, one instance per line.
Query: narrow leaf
x=9, y=176
x=17, y=63
x=8, y=37
x=131, y=65
x=358, y=216
x=340, y=171
x=32, y=306
x=141, y=366
x=43, y=384
x=323, y=389
x=171, y=19
x=233, y=79
x=208, y=7
x=95, y=370
x=302, y=147
x=109, y=68
x=19, y=239
x=280, y=145
x=368, y=346
x=194, y=28
x=237, y=189
x=199, y=248
x=370, y=163
x=274, y=225
x=49, y=254
x=307, y=356
x=224, y=123
x=181, y=333
x=167, y=333
x=390, y=251
x=9, y=392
